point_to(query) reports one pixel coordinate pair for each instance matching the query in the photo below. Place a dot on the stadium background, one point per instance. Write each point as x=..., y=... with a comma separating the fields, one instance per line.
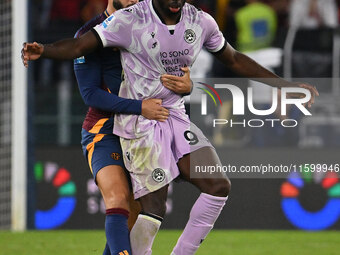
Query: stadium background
x=41, y=113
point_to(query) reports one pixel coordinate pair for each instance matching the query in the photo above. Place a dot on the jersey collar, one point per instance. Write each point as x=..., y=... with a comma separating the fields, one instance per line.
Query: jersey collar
x=107, y=14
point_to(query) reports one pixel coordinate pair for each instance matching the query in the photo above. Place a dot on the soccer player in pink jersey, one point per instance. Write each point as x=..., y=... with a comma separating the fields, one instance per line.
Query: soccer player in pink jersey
x=158, y=37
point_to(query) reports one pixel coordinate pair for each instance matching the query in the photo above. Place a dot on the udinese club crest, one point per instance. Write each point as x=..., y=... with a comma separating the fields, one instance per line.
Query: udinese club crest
x=158, y=175
x=189, y=36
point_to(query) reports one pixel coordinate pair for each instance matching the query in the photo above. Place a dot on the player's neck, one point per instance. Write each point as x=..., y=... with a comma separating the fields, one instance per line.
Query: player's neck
x=110, y=9
x=165, y=18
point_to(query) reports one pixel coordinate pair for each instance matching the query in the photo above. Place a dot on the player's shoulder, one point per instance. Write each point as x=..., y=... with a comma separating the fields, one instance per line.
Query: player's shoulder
x=191, y=9
x=136, y=11
x=195, y=14
x=90, y=24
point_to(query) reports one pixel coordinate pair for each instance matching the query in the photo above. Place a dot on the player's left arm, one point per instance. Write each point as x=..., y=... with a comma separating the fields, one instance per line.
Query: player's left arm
x=247, y=67
x=180, y=85
x=89, y=77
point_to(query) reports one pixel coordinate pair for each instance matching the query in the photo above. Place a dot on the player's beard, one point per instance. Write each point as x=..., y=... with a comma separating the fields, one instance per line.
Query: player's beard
x=117, y=5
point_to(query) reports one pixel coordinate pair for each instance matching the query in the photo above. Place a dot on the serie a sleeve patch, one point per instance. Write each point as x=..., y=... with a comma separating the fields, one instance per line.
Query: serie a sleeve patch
x=80, y=60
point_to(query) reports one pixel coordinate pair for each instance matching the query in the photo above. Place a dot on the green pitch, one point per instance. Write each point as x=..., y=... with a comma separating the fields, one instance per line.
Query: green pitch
x=218, y=242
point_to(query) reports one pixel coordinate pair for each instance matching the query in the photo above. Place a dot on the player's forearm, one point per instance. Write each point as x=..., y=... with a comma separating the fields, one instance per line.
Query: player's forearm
x=103, y=100
x=63, y=50
x=71, y=48
x=247, y=67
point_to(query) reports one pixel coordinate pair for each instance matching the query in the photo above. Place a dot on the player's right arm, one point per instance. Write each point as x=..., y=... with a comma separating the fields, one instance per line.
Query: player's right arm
x=63, y=50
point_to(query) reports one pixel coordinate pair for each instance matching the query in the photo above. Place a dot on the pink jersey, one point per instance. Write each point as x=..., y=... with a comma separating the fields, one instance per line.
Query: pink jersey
x=148, y=50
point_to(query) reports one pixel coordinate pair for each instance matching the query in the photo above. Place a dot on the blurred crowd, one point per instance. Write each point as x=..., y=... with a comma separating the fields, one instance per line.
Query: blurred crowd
x=247, y=24
x=54, y=19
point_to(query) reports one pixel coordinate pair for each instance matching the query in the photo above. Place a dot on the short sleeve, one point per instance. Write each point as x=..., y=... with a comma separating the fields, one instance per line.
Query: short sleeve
x=115, y=31
x=214, y=40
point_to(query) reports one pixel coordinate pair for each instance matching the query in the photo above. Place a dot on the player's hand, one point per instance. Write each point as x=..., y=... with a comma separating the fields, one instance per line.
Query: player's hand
x=314, y=92
x=179, y=85
x=31, y=51
x=152, y=109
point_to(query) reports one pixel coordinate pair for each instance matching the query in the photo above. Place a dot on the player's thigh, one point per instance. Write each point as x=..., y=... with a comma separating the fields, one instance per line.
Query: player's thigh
x=150, y=161
x=202, y=154
x=114, y=186
x=104, y=156
x=216, y=183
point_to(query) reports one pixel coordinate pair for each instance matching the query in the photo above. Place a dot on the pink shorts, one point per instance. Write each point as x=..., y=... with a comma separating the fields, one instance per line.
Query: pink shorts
x=152, y=159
